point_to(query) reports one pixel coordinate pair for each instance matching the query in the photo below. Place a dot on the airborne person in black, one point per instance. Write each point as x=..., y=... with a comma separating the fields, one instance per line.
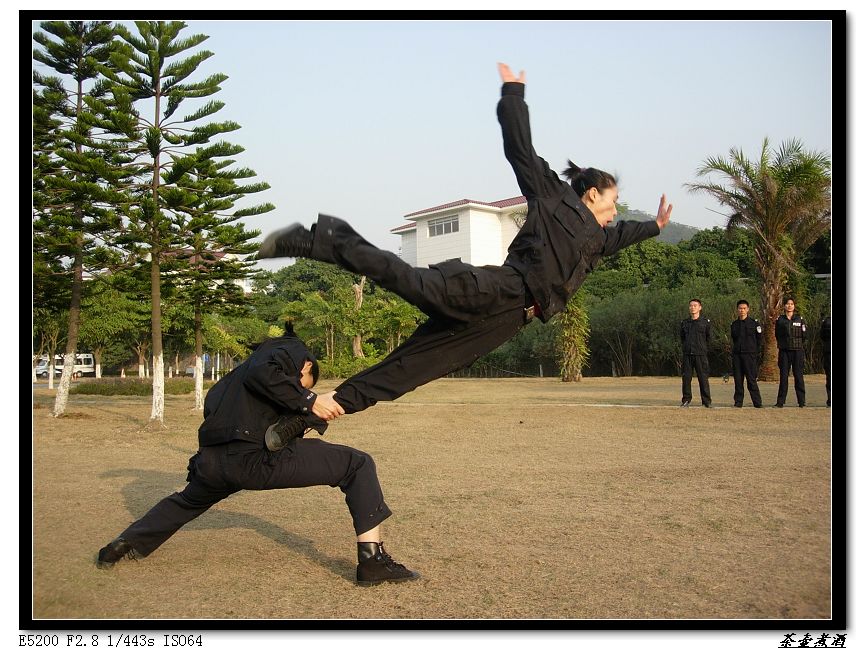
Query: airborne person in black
x=473, y=310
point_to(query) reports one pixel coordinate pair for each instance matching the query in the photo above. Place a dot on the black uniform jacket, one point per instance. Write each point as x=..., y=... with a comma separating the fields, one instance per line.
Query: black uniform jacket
x=746, y=335
x=560, y=241
x=250, y=398
x=695, y=335
x=790, y=333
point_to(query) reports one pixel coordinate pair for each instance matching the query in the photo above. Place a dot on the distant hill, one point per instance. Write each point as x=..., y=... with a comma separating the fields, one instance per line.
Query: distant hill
x=672, y=234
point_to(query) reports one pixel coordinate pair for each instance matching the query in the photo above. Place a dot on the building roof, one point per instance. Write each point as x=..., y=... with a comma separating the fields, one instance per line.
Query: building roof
x=504, y=203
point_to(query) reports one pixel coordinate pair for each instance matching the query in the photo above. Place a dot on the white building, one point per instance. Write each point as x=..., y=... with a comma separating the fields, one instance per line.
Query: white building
x=476, y=232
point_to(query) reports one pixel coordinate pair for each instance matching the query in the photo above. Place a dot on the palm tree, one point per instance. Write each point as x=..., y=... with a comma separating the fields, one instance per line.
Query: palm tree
x=784, y=200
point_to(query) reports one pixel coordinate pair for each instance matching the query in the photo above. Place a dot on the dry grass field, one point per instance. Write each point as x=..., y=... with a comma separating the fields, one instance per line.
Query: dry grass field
x=514, y=498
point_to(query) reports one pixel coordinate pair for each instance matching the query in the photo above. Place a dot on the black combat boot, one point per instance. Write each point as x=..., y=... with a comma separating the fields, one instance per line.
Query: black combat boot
x=375, y=566
x=291, y=241
x=114, y=551
x=286, y=429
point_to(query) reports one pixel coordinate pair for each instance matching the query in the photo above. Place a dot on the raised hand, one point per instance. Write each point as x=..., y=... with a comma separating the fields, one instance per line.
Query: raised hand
x=507, y=75
x=664, y=212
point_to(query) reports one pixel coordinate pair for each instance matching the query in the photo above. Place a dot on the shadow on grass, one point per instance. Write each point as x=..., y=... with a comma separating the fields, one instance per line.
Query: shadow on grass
x=136, y=494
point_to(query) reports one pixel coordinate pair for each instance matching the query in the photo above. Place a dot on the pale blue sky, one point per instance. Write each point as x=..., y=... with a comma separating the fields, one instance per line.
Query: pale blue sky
x=372, y=120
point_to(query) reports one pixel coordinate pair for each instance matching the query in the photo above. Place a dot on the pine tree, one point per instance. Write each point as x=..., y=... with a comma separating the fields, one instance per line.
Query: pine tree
x=168, y=211
x=216, y=244
x=70, y=200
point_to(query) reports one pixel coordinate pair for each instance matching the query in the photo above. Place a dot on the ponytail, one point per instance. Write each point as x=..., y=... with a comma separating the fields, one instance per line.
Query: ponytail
x=582, y=179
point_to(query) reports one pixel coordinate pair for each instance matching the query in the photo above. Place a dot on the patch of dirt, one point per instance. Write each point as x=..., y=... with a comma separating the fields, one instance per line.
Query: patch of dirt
x=514, y=498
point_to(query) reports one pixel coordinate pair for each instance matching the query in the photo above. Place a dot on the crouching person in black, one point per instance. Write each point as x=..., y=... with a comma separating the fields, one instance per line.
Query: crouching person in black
x=269, y=393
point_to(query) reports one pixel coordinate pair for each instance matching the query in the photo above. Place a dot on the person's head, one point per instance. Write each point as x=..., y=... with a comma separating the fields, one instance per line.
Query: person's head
x=597, y=189
x=789, y=305
x=742, y=307
x=695, y=307
x=309, y=374
x=309, y=370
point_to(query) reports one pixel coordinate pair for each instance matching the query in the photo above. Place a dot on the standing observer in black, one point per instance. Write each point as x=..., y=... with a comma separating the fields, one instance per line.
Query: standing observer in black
x=695, y=353
x=746, y=334
x=272, y=389
x=826, y=338
x=790, y=335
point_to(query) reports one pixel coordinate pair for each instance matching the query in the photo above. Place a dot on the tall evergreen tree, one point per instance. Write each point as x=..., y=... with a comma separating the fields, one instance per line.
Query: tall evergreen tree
x=167, y=209
x=216, y=245
x=70, y=199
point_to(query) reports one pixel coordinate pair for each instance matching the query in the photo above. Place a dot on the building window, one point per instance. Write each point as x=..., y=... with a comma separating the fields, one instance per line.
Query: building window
x=444, y=226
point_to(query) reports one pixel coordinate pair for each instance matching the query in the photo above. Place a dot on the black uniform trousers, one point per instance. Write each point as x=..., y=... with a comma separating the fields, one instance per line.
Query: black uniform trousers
x=218, y=471
x=699, y=364
x=745, y=366
x=472, y=310
x=795, y=360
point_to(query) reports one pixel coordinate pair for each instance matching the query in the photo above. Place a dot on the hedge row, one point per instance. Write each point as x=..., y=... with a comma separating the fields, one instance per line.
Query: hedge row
x=135, y=386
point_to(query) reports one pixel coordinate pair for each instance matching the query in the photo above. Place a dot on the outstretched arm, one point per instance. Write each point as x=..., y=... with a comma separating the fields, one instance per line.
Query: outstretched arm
x=534, y=175
x=627, y=233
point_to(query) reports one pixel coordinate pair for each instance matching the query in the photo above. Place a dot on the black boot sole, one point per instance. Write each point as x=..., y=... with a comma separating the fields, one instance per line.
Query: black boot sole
x=267, y=249
x=373, y=583
x=276, y=437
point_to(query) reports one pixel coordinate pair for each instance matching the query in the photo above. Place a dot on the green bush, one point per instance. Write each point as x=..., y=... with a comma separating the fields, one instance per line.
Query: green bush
x=342, y=367
x=135, y=386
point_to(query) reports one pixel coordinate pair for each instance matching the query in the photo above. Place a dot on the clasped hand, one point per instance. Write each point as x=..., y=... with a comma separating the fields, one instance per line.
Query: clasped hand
x=326, y=407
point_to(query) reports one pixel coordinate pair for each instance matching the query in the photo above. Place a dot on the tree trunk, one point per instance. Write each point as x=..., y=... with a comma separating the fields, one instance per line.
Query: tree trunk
x=158, y=389
x=97, y=357
x=72, y=332
x=52, y=351
x=62, y=395
x=157, y=411
x=773, y=277
x=199, y=367
x=356, y=341
x=140, y=349
x=328, y=342
x=77, y=281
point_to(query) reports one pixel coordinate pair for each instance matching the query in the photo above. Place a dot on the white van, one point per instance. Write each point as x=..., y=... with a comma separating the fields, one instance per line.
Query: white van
x=84, y=365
